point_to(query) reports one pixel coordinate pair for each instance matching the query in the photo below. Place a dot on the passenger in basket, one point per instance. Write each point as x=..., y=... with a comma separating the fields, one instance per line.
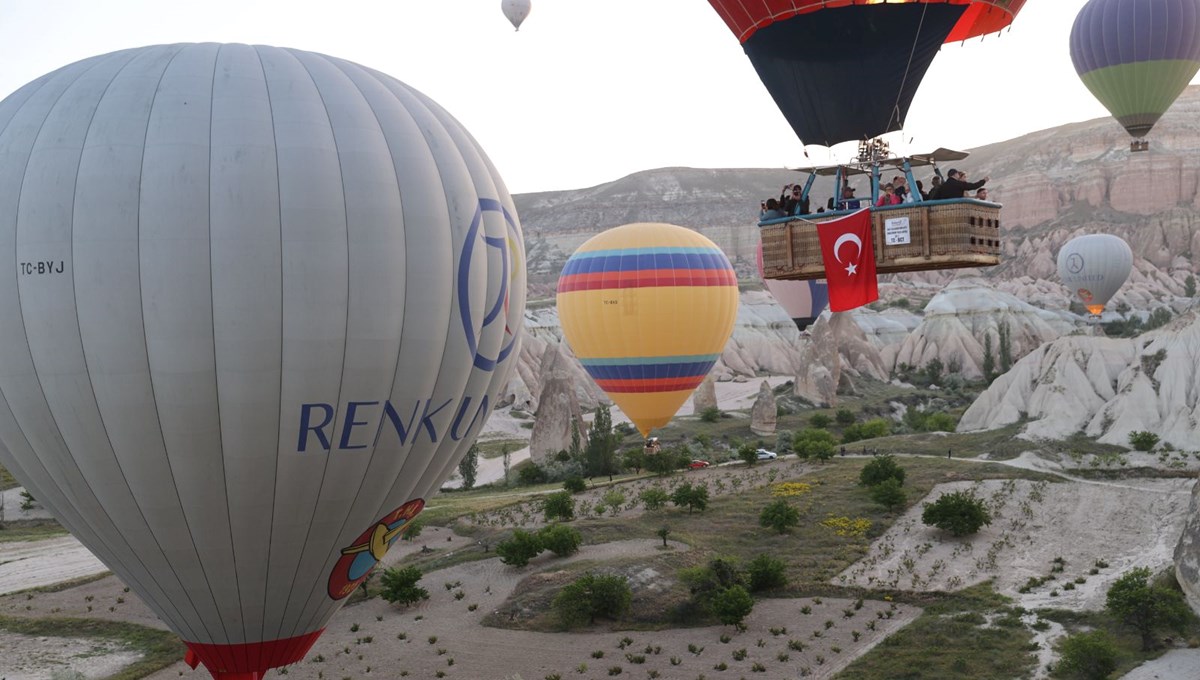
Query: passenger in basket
x=935, y=188
x=792, y=201
x=981, y=194
x=921, y=190
x=888, y=197
x=956, y=185
x=772, y=212
x=848, y=201
x=900, y=187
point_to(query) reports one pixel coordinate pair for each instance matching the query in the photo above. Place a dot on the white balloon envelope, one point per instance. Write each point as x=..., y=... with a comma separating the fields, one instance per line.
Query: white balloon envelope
x=1094, y=267
x=516, y=11
x=257, y=303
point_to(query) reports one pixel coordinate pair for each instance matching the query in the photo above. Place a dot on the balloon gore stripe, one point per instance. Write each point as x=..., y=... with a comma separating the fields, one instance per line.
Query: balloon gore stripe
x=651, y=278
x=642, y=385
x=250, y=659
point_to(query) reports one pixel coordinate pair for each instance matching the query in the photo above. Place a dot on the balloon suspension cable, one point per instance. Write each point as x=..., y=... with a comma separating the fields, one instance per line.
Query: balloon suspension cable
x=900, y=91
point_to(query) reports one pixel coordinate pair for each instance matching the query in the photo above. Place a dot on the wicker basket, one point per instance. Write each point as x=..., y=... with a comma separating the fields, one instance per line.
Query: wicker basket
x=938, y=235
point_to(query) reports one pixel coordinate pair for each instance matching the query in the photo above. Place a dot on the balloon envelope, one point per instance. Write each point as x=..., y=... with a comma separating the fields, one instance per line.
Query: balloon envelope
x=516, y=11
x=802, y=300
x=257, y=302
x=1094, y=267
x=844, y=70
x=647, y=309
x=1137, y=56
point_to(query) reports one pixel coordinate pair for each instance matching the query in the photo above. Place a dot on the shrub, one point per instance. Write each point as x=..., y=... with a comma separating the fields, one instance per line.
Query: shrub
x=559, y=505
x=518, y=550
x=711, y=414
x=1146, y=607
x=400, y=585
x=779, y=515
x=1142, y=440
x=766, y=573
x=844, y=416
x=890, y=494
x=694, y=497
x=748, y=454
x=592, y=596
x=1090, y=656
x=876, y=427
x=813, y=443
x=614, y=499
x=880, y=469
x=654, y=498
x=820, y=421
x=575, y=484
x=532, y=473
x=732, y=605
x=960, y=513
x=560, y=539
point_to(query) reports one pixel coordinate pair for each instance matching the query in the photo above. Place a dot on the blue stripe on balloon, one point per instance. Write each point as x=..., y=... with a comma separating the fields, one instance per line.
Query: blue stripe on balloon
x=650, y=371
x=632, y=361
x=626, y=262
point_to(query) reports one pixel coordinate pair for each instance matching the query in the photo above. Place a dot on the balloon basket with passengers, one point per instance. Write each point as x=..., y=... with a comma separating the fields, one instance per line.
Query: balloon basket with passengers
x=920, y=235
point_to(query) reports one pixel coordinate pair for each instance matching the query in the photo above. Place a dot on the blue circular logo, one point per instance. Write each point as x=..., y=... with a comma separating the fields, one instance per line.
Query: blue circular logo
x=499, y=307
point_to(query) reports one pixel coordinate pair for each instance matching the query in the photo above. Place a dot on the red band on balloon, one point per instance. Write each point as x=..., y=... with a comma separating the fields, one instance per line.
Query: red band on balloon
x=251, y=660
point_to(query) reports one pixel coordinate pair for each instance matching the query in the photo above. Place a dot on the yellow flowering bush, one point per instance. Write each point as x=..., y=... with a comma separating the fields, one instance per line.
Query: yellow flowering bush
x=845, y=526
x=791, y=489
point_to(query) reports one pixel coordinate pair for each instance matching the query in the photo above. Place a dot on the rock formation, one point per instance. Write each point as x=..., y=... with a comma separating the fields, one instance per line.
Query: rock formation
x=558, y=407
x=763, y=415
x=705, y=396
x=1187, y=553
x=837, y=351
x=1104, y=387
x=959, y=318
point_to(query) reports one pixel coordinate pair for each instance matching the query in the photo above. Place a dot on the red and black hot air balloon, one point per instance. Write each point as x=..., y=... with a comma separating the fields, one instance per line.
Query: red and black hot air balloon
x=844, y=70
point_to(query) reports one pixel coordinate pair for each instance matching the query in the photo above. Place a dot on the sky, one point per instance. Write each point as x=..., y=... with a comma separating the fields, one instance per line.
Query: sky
x=588, y=91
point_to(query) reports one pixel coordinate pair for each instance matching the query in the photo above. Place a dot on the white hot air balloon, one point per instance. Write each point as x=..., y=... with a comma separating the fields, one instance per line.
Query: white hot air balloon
x=516, y=11
x=257, y=304
x=1094, y=267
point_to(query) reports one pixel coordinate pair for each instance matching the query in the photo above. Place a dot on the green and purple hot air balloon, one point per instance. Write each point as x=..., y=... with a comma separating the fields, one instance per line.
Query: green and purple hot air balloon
x=1137, y=56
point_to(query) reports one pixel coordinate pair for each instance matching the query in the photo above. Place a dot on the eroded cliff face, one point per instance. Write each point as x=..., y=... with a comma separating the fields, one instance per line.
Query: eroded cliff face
x=1103, y=387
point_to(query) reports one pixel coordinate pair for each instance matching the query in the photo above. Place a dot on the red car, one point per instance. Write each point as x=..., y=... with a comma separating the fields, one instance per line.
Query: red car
x=698, y=464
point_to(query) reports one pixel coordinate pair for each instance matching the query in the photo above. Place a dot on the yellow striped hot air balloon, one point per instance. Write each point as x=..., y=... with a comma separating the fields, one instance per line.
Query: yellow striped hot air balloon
x=647, y=309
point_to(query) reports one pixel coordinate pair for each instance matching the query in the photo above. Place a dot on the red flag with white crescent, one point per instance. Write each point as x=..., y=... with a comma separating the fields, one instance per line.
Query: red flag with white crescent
x=849, y=255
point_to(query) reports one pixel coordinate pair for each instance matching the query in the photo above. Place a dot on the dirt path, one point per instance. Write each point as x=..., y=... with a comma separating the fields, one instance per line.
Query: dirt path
x=31, y=564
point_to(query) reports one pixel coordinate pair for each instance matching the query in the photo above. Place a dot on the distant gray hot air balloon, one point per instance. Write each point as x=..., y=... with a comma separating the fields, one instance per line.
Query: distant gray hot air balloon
x=1094, y=267
x=516, y=11
x=256, y=304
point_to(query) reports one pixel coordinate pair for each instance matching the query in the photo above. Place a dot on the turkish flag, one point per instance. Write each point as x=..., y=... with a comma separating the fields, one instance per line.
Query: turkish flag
x=846, y=248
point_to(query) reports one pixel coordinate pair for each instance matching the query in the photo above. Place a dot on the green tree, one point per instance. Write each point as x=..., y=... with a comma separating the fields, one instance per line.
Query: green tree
x=518, y=550
x=711, y=414
x=400, y=585
x=871, y=429
x=959, y=512
x=591, y=596
x=634, y=459
x=614, y=498
x=1189, y=286
x=706, y=580
x=939, y=422
x=663, y=463
x=1147, y=607
x=654, y=498
x=413, y=529
x=1142, y=440
x=890, y=494
x=820, y=421
x=704, y=441
x=601, y=452
x=560, y=539
x=1087, y=656
x=989, y=359
x=694, y=497
x=468, y=467
x=576, y=449
x=663, y=532
x=779, y=515
x=766, y=573
x=1006, y=356
x=880, y=469
x=813, y=443
x=575, y=484
x=732, y=605
x=844, y=416
x=559, y=505
x=933, y=370
x=748, y=454
x=506, y=457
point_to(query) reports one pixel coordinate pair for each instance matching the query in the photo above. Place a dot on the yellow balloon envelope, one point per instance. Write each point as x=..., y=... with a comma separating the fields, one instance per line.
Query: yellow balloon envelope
x=647, y=309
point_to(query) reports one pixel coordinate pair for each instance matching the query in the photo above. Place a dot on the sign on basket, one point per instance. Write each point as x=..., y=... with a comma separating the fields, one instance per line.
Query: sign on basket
x=895, y=231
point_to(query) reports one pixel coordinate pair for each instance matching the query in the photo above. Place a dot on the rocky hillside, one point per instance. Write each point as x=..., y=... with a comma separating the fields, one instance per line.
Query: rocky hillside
x=1102, y=387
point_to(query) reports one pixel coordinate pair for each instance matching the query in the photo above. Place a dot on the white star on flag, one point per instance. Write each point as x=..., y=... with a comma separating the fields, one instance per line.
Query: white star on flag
x=852, y=269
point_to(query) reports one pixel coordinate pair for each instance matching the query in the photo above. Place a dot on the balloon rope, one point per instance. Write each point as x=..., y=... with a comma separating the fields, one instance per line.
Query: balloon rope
x=900, y=93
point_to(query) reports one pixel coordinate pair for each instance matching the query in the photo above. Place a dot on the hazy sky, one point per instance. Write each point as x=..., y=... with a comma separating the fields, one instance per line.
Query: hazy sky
x=589, y=90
